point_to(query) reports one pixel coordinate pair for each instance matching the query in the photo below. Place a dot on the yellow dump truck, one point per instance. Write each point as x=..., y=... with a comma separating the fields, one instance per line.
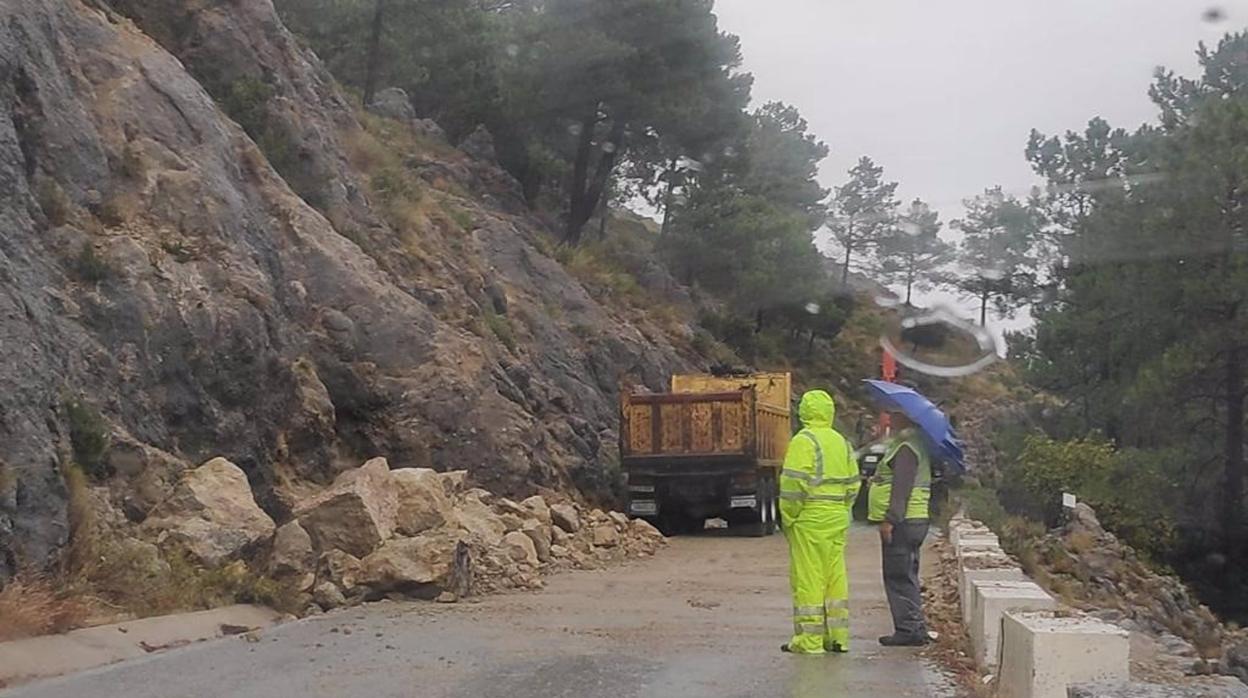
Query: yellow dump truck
x=710, y=448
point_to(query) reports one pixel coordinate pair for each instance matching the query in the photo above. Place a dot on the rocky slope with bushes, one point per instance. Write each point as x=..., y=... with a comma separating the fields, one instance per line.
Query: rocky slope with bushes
x=207, y=251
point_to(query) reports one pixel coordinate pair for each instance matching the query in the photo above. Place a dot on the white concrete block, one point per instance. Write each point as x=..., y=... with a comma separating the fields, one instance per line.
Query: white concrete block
x=968, y=540
x=1042, y=653
x=979, y=560
x=990, y=599
x=958, y=531
x=969, y=550
x=997, y=574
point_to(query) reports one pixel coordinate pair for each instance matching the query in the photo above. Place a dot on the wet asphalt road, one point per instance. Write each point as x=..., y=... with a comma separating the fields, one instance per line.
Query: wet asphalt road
x=705, y=617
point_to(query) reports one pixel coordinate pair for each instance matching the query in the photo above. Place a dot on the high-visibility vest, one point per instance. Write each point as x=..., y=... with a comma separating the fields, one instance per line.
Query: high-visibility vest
x=832, y=477
x=882, y=482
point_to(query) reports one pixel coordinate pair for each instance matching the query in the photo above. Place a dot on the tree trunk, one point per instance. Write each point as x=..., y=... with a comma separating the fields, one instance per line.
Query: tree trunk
x=845, y=267
x=587, y=191
x=374, y=53
x=983, y=309
x=758, y=321
x=667, y=197
x=909, y=284
x=604, y=216
x=1233, y=486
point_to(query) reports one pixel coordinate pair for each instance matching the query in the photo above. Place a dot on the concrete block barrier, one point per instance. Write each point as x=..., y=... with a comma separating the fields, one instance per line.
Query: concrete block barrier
x=1043, y=653
x=990, y=599
x=979, y=560
x=1008, y=573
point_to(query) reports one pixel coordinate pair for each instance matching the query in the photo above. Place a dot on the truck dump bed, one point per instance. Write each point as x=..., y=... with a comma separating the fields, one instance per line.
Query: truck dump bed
x=708, y=420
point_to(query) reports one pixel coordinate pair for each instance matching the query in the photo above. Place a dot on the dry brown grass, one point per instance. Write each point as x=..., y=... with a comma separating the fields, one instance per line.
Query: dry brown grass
x=32, y=606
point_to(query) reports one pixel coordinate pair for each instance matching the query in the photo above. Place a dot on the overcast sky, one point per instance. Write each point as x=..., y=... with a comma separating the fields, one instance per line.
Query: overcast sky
x=943, y=93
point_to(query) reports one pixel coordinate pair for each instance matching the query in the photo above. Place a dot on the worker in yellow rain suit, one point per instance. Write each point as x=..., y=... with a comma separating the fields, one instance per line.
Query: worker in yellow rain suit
x=818, y=485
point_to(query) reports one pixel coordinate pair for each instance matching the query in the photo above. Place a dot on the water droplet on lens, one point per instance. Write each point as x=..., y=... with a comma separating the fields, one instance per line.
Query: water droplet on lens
x=812, y=308
x=608, y=147
x=575, y=129
x=513, y=50
x=1213, y=14
x=938, y=342
x=911, y=229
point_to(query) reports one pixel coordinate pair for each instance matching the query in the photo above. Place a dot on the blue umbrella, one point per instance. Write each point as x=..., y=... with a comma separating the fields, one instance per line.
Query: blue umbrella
x=931, y=422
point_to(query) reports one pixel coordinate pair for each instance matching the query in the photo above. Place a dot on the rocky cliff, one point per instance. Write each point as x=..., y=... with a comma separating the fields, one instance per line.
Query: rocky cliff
x=206, y=250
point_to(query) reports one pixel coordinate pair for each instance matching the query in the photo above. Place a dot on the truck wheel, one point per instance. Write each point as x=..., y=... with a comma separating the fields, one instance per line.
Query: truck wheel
x=770, y=505
x=763, y=521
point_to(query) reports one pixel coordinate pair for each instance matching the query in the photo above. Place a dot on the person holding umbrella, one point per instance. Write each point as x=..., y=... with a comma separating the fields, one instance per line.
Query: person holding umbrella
x=900, y=498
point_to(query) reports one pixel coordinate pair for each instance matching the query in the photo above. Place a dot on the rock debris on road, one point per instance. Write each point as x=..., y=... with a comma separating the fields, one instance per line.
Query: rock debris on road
x=705, y=617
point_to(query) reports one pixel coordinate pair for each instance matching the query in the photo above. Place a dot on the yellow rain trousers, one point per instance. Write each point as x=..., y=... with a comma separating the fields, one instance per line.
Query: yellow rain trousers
x=818, y=485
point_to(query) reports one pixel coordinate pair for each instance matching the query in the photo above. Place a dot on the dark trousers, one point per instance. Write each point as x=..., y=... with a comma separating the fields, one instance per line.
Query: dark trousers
x=901, y=578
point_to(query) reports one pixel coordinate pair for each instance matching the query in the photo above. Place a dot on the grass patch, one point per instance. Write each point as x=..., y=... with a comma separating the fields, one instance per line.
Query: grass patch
x=112, y=213
x=461, y=217
x=502, y=329
x=31, y=606
x=88, y=437
x=246, y=100
x=53, y=201
x=90, y=267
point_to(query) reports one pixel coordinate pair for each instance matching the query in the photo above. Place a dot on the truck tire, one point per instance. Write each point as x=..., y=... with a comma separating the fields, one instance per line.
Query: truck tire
x=767, y=518
x=772, y=507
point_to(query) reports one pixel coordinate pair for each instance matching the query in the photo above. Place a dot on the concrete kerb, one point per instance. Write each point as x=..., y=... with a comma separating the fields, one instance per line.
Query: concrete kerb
x=990, y=599
x=53, y=655
x=1042, y=653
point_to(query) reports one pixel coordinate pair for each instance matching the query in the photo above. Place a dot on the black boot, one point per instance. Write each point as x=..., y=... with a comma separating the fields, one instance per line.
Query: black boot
x=900, y=640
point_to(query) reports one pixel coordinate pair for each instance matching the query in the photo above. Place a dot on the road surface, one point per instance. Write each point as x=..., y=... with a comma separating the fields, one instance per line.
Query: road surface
x=706, y=617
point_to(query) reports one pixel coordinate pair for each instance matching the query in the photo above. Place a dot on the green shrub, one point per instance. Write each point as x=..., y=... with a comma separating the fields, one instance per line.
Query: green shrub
x=111, y=213
x=246, y=101
x=1132, y=491
x=501, y=327
x=53, y=201
x=88, y=437
x=91, y=267
x=461, y=217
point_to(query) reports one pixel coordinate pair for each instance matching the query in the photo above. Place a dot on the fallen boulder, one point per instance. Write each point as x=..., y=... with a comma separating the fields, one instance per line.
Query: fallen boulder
x=356, y=513
x=521, y=548
x=422, y=500
x=292, y=552
x=645, y=529
x=478, y=518
x=211, y=513
x=540, y=534
x=566, y=517
x=419, y=566
x=343, y=569
x=536, y=506
x=327, y=595
x=605, y=536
